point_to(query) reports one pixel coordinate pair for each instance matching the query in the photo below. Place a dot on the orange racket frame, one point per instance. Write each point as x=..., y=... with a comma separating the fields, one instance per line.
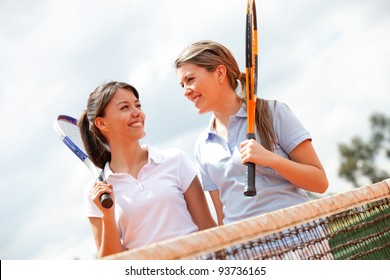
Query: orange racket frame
x=251, y=89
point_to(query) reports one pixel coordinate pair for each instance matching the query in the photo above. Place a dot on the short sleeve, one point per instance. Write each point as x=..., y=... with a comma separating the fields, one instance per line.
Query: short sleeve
x=187, y=171
x=207, y=182
x=288, y=128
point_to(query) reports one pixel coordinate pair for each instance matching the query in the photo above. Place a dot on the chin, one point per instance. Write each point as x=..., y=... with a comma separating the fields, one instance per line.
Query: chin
x=202, y=111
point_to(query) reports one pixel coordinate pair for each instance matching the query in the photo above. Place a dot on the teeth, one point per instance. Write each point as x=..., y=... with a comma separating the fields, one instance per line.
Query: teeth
x=137, y=124
x=196, y=100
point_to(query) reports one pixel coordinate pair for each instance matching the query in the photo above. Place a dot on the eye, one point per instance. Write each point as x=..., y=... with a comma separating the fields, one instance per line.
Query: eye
x=187, y=81
x=138, y=105
x=125, y=107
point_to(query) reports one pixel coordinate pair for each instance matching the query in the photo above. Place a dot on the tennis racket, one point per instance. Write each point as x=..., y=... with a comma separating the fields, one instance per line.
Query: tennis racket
x=66, y=127
x=251, y=89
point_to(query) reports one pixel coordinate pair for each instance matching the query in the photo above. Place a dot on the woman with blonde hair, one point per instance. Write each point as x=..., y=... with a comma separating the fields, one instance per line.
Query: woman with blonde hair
x=286, y=163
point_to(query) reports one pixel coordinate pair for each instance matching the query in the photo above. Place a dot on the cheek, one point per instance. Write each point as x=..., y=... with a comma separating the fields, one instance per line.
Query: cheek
x=208, y=88
x=201, y=84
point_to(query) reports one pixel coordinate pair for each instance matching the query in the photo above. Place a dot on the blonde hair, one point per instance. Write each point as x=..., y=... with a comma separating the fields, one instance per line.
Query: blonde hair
x=209, y=55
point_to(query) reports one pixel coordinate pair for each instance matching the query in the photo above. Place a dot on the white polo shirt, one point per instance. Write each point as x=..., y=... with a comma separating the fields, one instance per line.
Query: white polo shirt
x=150, y=208
x=221, y=169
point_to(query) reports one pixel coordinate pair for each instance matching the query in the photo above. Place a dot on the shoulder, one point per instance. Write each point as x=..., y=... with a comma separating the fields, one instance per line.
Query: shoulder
x=276, y=106
x=280, y=111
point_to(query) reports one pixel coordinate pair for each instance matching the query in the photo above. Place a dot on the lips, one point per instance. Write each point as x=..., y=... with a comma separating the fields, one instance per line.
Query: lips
x=195, y=99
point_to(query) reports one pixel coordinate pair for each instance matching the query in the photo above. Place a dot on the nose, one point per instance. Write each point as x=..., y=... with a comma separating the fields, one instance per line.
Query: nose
x=137, y=112
x=187, y=91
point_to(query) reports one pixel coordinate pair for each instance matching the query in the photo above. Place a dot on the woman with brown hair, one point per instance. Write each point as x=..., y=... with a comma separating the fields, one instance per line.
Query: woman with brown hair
x=157, y=194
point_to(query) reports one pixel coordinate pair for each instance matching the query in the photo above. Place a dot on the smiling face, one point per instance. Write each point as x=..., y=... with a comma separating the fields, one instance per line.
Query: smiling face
x=123, y=118
x=200, y=86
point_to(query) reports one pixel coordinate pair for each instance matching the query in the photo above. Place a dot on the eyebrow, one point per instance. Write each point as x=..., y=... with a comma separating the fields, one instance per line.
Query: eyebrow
x=122, y=102
x=128, y=102
x=185, y=78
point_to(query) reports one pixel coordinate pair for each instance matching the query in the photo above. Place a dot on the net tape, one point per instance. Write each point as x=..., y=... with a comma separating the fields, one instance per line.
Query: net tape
x=350, y=225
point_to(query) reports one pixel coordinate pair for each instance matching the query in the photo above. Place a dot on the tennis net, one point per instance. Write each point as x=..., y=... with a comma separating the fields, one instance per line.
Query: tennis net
x=350, y=225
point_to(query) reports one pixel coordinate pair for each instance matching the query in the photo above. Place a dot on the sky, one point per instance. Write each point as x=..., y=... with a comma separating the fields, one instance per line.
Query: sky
x=329, y=60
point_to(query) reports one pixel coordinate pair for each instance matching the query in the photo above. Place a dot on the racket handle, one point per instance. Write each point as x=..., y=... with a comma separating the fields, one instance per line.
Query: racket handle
x=250, y=174
x=106, y=200
x=250, y=188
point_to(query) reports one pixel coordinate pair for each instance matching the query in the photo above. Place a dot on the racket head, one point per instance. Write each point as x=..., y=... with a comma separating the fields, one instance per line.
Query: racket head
x=251, y=54
x=251, y=89
x=67, y=129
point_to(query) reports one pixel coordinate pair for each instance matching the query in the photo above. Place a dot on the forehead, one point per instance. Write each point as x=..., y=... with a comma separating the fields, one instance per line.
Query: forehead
x=124, y=94
x=189, y=69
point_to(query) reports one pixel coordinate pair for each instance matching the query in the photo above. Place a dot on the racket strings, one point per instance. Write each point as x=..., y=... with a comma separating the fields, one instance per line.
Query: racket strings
x=72, y=132
x=251, y=64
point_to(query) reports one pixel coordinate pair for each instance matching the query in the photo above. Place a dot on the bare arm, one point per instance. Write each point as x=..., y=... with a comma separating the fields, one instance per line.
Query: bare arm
x=104, y=229
x=217, y=205
x=198, y=206
x=303, y=168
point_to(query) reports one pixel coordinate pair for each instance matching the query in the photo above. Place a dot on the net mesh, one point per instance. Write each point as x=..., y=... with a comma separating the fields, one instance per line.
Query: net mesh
x=349, y=225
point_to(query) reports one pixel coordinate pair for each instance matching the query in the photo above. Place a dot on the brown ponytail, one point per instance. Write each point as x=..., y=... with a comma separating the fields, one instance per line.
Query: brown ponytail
x=264, y=125
x=96, y=150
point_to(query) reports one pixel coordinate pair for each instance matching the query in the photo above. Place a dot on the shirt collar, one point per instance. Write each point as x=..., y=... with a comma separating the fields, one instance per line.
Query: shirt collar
x=153, y=155
x=210, y=128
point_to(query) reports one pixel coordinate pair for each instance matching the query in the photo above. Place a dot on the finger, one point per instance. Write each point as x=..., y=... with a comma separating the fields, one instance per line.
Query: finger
x=243, y=144
x=244, y=159
x=104, y=189
x=245, y=148
x=100, y=188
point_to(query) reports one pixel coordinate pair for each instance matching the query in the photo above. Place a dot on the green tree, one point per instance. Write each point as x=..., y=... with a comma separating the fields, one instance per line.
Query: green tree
x=360, y=159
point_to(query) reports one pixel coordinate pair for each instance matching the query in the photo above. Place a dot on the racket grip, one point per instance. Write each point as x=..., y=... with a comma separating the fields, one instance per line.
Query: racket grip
x=250, y=188
x=106, y=200
x=250, y=174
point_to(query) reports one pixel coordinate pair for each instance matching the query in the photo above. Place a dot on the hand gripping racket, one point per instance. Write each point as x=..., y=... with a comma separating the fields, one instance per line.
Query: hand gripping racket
x=251, y=89
x=66, y=127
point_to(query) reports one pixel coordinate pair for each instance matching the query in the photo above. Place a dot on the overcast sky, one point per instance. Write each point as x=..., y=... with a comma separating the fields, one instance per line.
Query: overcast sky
x=329, y=60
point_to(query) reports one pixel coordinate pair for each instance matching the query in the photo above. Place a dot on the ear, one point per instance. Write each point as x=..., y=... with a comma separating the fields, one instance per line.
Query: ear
x=221, y=73
x=100, y=124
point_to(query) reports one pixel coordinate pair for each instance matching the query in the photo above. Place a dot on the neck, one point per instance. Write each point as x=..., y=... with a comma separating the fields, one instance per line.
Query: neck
x=128, y=158
x=230, y=106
